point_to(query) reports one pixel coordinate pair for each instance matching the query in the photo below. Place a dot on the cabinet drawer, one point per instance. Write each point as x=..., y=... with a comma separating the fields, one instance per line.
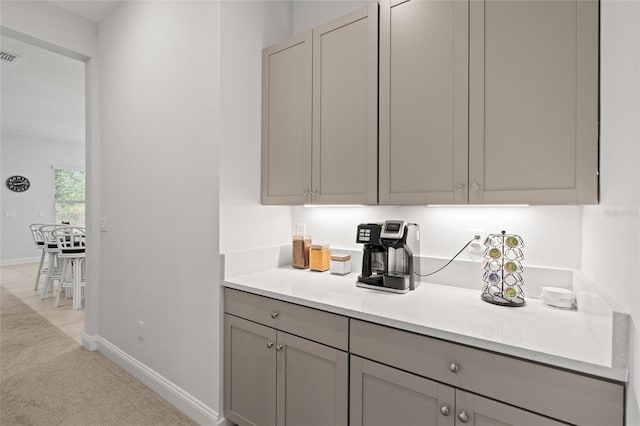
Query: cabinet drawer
x=566, y=396
x=323, y=327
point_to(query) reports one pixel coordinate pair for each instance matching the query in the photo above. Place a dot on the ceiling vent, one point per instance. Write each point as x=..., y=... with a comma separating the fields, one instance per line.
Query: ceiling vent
x=7, y=57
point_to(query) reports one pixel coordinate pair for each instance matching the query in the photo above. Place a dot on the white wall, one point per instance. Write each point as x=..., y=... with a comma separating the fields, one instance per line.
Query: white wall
x=552, y=235
x=32, y=158
x=307, y=14
x=160, y=88
x=610, y=253
x=247, y=27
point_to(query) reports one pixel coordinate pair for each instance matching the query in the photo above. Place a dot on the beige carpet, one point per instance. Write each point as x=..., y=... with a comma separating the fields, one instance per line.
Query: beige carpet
x=46, y=378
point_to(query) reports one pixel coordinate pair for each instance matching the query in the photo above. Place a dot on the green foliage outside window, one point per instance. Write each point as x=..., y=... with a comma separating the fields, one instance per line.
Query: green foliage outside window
x=69, y=196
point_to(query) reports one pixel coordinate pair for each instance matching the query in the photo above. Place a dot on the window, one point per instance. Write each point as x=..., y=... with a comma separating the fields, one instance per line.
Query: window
x=69, y=196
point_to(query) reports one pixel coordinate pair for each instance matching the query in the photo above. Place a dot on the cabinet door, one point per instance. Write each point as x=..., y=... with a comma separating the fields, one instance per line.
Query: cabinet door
x=533, y=102
x=478, y=411
x=382, y=395
x=345, y=99
x=312, y=383
x=424, y=101
x=286, y=121
x=249, y=372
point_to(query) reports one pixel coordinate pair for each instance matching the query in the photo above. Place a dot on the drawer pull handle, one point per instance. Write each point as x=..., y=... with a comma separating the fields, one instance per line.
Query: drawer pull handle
x=279, y=348
x=444, y=410
x=454, y=368
x=269, y=344
x=463, y=417
x=274, y=314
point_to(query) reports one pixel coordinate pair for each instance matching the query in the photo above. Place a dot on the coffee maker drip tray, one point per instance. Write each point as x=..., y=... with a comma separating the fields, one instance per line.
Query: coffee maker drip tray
x=396, y=283
x=381, y=287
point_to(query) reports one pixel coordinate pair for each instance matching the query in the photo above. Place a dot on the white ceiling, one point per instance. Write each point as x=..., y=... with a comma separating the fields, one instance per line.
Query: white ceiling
x=93, y=10
x=42, y=94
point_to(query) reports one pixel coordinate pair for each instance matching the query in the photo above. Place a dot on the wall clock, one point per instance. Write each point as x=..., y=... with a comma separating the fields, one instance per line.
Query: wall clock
x=18, y=183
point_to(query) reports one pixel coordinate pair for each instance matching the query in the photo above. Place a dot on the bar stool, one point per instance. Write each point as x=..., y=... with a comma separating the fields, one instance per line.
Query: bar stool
x=38, y=239
x=71, y=253
x=54, y=272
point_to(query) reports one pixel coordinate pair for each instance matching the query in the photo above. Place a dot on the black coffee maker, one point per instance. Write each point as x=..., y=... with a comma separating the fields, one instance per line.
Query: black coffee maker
x=388, y=255
x=374, y=256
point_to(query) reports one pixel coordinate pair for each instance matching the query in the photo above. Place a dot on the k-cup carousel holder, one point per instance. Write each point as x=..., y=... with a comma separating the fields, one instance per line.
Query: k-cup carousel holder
x=503, y=270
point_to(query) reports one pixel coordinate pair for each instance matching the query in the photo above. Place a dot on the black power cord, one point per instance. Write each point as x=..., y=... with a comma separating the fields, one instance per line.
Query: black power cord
x=475, y=237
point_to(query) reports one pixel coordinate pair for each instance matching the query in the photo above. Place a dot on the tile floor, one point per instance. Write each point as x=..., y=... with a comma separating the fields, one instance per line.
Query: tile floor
x=20, y=279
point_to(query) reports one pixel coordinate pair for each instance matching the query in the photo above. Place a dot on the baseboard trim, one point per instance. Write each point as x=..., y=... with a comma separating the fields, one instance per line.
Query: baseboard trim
x=90, y=343
x=19, y=261
x=181, y=399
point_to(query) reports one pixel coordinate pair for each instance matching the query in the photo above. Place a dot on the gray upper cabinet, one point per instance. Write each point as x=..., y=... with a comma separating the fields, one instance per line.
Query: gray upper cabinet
x=345, y=100
x=423, y=102
x=319, y=117
x=286, y=121
x=489, y=102
x=475, y=102
x=533, y=133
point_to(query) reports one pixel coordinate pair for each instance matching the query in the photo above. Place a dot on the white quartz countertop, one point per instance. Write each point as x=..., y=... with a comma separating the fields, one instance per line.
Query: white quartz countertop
x=535, y=332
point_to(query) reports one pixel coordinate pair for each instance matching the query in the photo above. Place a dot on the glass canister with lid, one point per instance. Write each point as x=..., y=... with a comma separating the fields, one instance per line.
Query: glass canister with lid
x=319, y=257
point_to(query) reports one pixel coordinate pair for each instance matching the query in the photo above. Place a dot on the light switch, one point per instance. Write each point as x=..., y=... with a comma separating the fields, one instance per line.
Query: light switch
x=103, y=223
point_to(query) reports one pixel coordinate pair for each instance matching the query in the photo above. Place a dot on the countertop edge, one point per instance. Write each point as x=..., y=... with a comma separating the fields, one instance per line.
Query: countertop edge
x=600, y=371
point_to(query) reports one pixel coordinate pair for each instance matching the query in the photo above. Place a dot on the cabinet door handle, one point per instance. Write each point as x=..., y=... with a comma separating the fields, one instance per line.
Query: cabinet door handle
x=269, y=344
x=444, y=410
x=475, y=186
x=279, y=348
x=463, y=417
x=460, y=187
x=274, y=314
x=454, y=368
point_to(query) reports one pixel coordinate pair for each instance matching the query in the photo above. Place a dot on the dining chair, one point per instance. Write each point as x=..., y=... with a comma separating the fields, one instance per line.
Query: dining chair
x=71, y=253
x=51, y=248
x=38, y=239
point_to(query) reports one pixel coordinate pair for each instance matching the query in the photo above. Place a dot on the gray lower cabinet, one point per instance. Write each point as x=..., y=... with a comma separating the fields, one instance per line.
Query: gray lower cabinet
x=479, y=411
x=273, y=377
x=514, y=391
x=382, y=395
x=287, y=364
x=250, y=372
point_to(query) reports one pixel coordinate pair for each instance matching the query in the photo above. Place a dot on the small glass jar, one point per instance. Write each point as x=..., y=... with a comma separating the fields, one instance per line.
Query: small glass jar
x=300, y=255
x=341, y=264
x=319, y=257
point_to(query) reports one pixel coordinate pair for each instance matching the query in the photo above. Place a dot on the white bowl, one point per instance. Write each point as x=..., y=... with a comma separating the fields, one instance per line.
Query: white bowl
x=557, y=293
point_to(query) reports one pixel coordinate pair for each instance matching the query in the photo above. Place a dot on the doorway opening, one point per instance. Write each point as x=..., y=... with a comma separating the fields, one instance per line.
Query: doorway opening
x=43, y=139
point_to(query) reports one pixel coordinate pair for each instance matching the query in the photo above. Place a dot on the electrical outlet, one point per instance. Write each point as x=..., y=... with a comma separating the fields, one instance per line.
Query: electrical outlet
x=103, y=224
x=140, y=331
x=476, y=248
x=477, y=231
